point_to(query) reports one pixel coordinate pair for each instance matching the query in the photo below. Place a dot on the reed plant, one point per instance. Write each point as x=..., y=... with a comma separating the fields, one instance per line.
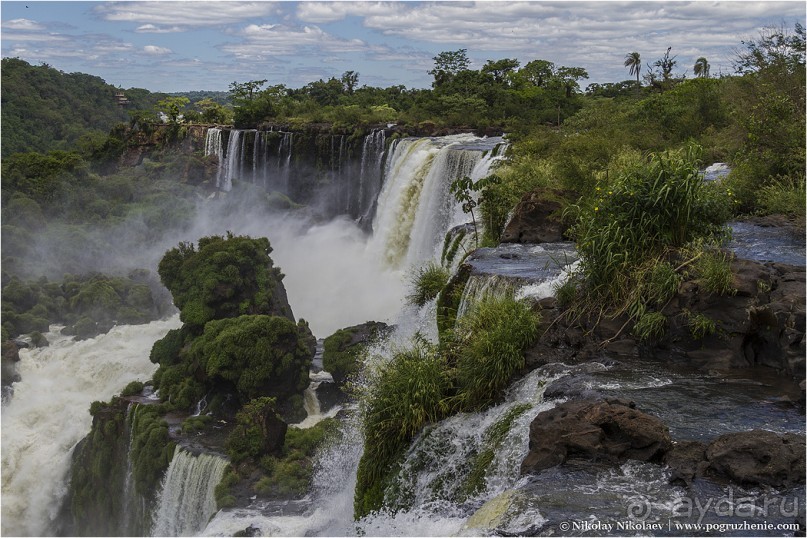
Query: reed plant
x=631, y=233
x=426, y=283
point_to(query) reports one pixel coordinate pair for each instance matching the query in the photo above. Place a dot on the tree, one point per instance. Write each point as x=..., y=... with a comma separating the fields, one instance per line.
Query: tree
x=660, y=73
x=349, y=80
x=775, y=47
x=172, y=107
x=568, y=77
x=502, y=69
x=537, y=72
x=701, y=68
x=245, y=91
x=447, y=64
x=634, y=63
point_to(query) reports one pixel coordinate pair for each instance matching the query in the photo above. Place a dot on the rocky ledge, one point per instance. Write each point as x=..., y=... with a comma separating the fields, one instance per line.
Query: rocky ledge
x=611, y=431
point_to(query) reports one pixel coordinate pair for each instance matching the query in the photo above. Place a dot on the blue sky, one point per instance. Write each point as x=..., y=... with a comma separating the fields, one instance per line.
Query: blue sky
x=190, y=45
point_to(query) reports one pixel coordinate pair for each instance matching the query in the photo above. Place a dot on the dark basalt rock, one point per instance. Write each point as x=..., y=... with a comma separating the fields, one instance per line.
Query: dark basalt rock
x=536, y=219
x=762, y=324
x=752, y=459
x=607, y=431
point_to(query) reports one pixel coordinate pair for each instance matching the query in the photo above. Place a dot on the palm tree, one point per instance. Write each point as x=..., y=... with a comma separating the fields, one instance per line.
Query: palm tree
x=701, y=67
x=634, y=62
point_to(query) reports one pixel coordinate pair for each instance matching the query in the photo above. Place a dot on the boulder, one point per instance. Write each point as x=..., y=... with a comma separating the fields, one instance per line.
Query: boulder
x=536, y=219
x=751, y=459
x=758, y=458
x=607, y=431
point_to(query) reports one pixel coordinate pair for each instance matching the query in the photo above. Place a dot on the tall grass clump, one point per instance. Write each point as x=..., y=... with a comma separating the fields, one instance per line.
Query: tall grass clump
x=631, y=232
x=403, y=395
x=487, y=346
x=783, y=195
x=426, y=283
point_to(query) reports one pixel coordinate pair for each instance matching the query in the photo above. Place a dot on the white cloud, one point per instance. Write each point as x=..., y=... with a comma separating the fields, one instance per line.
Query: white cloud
x=261, y=40
x=22, y=24
x=321, y=12
x=154, y=50
x=152, y=29
x=185, y=14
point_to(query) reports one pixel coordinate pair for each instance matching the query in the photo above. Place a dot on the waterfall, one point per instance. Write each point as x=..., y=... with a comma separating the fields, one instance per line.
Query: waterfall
x=48, y=415
x=481, y=287
x=415, y=206
x=187, y=500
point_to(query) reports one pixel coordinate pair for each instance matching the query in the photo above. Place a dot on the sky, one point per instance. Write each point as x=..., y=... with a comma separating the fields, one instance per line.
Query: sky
x=171, y=46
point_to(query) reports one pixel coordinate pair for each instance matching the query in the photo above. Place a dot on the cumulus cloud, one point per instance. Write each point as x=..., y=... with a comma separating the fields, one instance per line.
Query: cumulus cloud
x=185, y=14
x=154, y=50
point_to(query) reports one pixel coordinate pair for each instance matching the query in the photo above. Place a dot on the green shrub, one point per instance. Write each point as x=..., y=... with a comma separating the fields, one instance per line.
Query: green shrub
x=289, y=474
x=713, y=269
x=650, y=325
x=260, y=355
x=404, y=395
x=135, y=387
x=258, y=429
x=151, y=448
x=488, y=346
x=426, y=283
x=338, y=357
x=700, y=326
x=226, y=277
x=783, y=195
x=38, y=339
x=196, y=423
x=223, y=491
x=638, y=221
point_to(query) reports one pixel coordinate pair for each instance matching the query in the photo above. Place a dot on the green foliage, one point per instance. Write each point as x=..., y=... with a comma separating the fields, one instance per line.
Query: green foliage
x=88, y=304
x=700, y=325
x=227, y=277
x=223, y=491
x=713, y=270
x=98, y=467
x=258, y=426
x=405, y=394
x=650, y=325
x=135, y=387
x=488, y=346
x=426, y=283
x=258, y=355
x=151, y=448
x=52, y=110
x=290, y=473
x=647, y=210
x=783, y=195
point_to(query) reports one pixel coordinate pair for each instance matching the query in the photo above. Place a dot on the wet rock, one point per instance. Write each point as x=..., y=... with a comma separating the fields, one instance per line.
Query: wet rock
x=608, y=431
x=10, y=358
x=537, y=219
x=252, y=530
x=342, y=349
x=758, y=457
x=687, y=460
x=329, y=396
x=751, y=459
x=572, y=386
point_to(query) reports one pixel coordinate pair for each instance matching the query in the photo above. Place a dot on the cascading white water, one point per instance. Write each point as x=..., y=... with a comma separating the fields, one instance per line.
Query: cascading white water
x=415, y=206
x=48, y=414
x=481, y=287
x=187, y=500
